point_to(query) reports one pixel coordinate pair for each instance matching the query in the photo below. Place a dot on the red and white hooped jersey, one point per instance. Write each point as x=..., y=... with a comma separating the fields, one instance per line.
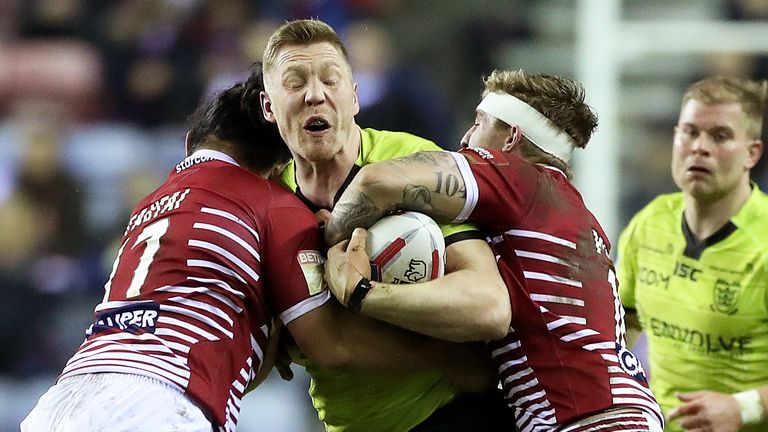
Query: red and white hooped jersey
x=206, y=262
x=564, y=357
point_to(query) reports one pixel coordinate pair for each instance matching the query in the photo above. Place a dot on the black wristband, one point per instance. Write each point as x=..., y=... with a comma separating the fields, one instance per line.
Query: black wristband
x=361, y=290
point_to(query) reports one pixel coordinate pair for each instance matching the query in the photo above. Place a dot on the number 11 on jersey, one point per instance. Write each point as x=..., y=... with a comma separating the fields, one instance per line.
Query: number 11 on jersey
x=151, y=235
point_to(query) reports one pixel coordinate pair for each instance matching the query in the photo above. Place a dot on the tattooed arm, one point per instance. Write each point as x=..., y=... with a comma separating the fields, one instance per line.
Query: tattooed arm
x=470, y=302
x=428, y=182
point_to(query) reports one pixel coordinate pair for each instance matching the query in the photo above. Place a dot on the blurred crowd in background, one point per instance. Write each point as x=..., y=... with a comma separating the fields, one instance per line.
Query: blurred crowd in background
x=94, y=95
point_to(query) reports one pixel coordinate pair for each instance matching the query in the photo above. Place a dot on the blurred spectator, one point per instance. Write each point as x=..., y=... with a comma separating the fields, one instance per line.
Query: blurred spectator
x=392, y=94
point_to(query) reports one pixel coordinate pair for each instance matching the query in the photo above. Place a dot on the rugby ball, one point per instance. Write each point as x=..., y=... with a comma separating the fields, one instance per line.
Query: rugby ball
x=406, y=247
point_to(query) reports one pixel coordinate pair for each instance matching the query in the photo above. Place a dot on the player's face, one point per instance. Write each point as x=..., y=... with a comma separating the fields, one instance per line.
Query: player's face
x=712, y=154
x=313, y=100
x=486, y=132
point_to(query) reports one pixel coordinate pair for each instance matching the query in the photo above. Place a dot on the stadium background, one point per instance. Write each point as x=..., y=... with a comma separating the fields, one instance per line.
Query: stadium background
x=94, y=95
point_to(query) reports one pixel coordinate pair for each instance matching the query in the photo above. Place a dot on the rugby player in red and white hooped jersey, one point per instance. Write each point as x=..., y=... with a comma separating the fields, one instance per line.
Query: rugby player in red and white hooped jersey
x=207, y=263
x=564, y=364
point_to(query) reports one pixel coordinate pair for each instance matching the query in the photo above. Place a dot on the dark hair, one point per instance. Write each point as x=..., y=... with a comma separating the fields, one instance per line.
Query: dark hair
x=235, y=115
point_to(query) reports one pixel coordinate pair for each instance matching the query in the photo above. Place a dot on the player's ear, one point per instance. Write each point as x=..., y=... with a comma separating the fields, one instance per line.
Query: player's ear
x=187, y=143
x=355, y=98
x=755, y=151
x=513, y=139
x=266, y=107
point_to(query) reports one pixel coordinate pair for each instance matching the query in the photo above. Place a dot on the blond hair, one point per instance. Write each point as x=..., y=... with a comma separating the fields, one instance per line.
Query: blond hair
x=561, y=100
x=300, y=32
x=751, y=95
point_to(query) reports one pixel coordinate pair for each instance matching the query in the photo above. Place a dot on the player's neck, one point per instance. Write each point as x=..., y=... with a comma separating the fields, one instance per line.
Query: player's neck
x=706, y=216
x=319, y=181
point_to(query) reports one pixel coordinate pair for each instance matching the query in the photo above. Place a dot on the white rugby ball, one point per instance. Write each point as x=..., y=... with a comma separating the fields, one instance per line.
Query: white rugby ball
x=406, y=247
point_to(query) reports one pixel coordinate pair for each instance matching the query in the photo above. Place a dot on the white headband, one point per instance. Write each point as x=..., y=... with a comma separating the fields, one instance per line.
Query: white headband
x=538, y=129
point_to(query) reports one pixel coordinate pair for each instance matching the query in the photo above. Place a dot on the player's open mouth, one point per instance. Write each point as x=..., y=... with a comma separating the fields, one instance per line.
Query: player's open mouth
x=316, y=125
x=698, y=170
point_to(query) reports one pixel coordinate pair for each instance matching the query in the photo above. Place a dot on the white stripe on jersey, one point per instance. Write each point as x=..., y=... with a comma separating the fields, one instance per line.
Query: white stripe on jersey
x=116, y=304
x=505, y=348
x=197, y=316
x=470, y=185
x=177, y=346
x=305, y=306
x=550, y=278
x=219, y=283
x=214, y=266
x=229, y=235
x=203, y=306
x=104, y=344
x=231, y=217
x=115, y=352
x=202, y=290
x=257, y=349
x=600, y=345
x=557, y=324
x=545, y=298
x=518, y=375
x=226, y=254
x=514, y=362
x=179, y=323
x=176, y=334
x=541, y=236
x=578, y=335
x=630, y=382
x=574, y=319
x=524, y=386
x=543, y=257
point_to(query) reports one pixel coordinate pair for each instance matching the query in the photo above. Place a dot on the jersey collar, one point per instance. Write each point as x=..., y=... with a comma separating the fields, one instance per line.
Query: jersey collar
x=212, y=154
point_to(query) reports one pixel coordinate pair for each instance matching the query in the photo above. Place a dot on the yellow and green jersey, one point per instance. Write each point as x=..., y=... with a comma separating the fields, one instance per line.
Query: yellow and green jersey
x=702, y=304
x=371, y=403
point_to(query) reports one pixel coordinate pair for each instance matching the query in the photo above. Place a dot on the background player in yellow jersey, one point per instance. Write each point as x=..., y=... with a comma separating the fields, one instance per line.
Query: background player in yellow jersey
x=694, y=266
x=312, y=97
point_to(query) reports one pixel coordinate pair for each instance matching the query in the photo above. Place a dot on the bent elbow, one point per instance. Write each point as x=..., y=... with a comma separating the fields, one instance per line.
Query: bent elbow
x=497, y=315
x=499, y=322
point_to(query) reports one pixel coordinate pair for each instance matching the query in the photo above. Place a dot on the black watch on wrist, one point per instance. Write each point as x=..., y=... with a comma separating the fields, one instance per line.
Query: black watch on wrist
x=361, y=290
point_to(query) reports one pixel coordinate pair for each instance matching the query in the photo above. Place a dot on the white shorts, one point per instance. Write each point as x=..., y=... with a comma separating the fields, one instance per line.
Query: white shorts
x=616, y=420
x=114, y=402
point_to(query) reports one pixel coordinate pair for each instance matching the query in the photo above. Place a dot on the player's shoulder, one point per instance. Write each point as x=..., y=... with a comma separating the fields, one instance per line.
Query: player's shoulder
x=662, y=214
x=753, y=217
x=664, y=208
x=378, y=145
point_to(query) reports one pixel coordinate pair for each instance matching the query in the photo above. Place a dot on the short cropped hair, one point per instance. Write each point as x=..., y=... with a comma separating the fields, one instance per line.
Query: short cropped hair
x=300, y=32
x=721, y=90
x=232, y=116
x=561, y=100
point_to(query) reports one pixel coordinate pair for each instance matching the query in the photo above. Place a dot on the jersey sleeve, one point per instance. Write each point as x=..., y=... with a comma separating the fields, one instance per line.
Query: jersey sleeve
x=495, y=182
x=626, y=265
x=294, y=265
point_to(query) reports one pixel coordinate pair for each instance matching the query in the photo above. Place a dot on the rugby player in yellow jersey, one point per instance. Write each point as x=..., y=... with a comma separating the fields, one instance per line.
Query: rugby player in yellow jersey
x=310, y=94
x=694, y=266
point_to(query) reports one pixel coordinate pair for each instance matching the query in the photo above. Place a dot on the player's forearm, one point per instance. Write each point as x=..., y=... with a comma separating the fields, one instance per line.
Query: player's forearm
x=426, y=182
x=461, y=306
x=337, y=339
